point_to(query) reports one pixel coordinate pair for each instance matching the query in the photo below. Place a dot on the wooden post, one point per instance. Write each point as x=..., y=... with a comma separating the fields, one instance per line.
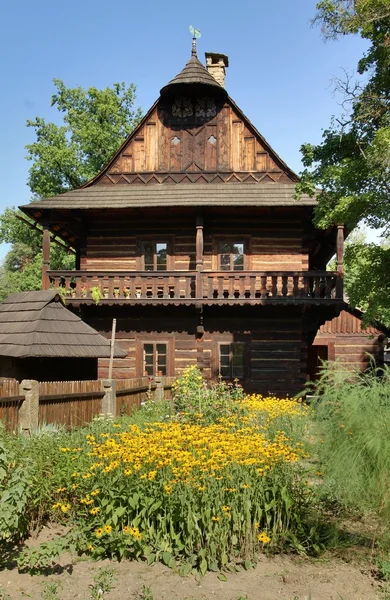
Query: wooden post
x=46, y=255
x=199, y=256
x=112, y=349
x=29, y=409
x=109, y=398
x=340, y=260
x=159, y=391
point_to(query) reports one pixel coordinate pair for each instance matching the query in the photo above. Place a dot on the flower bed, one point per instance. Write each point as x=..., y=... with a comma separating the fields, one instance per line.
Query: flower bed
x=198, y=493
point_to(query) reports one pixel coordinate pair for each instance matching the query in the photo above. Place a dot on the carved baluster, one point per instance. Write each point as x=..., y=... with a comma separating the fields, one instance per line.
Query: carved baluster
x=284, y=285
x=220, y=286
x=263, y=286
x=274, y=288
x=210, y=282
x=177, y=287
x=295, y=286
x=231, y=286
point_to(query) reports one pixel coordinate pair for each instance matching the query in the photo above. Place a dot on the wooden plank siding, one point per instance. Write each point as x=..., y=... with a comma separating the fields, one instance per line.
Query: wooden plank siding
x=225, y=142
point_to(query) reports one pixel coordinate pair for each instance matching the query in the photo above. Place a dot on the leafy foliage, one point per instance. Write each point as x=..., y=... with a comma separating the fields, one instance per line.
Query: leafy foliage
x=352, y=163
x=14, y=486
x=64, y=156
x=367, y=280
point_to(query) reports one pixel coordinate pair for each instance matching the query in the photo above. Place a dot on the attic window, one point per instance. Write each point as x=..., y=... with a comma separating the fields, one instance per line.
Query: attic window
x=212, y=140
x=175, y=140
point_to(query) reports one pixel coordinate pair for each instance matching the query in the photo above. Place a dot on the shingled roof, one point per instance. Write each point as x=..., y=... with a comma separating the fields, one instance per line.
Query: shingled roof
x=209, y=194
x=37, y=324
x=193, y=73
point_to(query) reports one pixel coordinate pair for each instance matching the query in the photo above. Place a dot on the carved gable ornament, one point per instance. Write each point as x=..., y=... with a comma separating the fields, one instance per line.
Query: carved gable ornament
x=205, y=108
x=182, y=107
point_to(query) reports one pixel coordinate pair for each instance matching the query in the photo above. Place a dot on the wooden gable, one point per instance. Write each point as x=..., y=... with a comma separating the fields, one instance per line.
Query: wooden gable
x=194, y=139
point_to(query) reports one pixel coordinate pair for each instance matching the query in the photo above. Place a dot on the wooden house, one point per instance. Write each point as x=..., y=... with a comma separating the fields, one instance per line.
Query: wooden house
x=343, y=339
x=41, y=339
x=194, y=241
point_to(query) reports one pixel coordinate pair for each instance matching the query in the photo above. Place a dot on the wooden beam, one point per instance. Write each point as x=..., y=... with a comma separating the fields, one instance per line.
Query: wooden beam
x=46, y=255
x=340, y=249
x=199, y=255
x=53, y=238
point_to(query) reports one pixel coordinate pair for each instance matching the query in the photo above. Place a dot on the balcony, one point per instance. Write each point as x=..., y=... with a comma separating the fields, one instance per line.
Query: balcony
x=204, y=287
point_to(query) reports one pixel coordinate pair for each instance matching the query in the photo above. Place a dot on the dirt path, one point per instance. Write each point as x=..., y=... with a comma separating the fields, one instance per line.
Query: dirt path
x=276, y=578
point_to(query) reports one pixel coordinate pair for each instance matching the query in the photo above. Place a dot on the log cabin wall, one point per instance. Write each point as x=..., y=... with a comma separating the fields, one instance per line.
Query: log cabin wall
x=271, y=243
x=275, y=352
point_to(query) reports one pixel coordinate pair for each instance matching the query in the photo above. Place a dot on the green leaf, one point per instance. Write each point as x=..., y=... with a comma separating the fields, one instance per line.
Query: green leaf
x=222, y=577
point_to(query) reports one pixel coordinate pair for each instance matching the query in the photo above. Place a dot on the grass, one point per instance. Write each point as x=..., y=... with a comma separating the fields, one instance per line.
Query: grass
x=352, y=438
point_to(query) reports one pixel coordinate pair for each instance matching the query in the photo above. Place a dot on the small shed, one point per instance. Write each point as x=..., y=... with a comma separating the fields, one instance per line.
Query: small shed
x=344, y=340
x=41, y=339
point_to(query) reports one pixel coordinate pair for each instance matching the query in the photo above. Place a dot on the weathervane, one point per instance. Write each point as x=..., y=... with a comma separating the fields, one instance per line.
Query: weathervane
x=195, y=35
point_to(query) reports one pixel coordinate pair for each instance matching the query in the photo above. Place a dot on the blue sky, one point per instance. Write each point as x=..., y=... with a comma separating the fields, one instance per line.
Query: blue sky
x=280, y=71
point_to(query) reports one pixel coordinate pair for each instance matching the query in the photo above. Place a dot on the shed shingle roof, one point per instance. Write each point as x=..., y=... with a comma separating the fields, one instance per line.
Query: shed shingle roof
x=131, y=196
x=37, y=324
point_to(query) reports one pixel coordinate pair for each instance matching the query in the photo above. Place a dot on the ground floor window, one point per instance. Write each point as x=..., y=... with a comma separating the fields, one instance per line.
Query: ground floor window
x=154, y=358
x=231, y=360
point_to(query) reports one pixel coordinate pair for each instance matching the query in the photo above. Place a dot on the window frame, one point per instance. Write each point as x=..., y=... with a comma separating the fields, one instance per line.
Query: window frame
x=153, y=338
x=140, y=258
x=231, y=375
x=232, y=239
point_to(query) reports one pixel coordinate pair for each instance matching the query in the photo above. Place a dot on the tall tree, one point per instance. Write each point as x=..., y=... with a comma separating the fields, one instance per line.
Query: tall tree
x=352, y=163
x=94, y=125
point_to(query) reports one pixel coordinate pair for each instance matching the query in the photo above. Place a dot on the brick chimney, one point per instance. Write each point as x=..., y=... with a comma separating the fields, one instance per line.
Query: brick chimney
x=216, y=65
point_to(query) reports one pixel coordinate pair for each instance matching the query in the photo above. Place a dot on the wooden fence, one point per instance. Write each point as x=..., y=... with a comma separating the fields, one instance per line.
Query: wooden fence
x=74, y=403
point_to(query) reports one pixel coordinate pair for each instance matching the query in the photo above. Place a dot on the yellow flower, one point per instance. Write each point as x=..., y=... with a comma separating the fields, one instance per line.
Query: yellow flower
x=65, y=508
x=214, y=518
x=91, y=548
x=95, y=492
x=95, y=510
x=57, y=505
x=61, y=489
x=263, y=537
x=99, y=532
x=226, y=509
x=126, y=529
x=107, y=528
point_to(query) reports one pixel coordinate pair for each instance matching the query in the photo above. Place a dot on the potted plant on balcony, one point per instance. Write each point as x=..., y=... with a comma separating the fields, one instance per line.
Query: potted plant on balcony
x=96, y=294
x=116, y=292
x=126, y=292
x=138, y=293
x=84, y=291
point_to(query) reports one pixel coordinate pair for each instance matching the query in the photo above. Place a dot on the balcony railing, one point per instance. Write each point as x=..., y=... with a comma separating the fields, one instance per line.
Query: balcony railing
x=206, y=287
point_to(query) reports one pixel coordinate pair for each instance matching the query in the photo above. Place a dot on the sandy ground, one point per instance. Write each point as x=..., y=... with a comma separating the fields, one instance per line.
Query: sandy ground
x=283, y=578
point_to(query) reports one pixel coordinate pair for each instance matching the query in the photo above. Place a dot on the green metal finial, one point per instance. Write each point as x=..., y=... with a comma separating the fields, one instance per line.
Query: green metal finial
x=195, y=35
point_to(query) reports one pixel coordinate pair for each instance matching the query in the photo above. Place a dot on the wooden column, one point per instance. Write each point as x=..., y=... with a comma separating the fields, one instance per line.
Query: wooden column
x=340, y=249
x=340, y=260
x=199, y=256
x=46, y=255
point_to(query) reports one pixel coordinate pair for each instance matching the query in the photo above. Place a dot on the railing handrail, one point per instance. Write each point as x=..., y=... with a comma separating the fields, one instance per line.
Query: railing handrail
x=108, y=273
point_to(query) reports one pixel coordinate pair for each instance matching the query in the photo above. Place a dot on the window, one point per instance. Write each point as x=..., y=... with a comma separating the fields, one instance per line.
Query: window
x=231, y=361
x=155, y=256
x=231, y=256
x=154, y=359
